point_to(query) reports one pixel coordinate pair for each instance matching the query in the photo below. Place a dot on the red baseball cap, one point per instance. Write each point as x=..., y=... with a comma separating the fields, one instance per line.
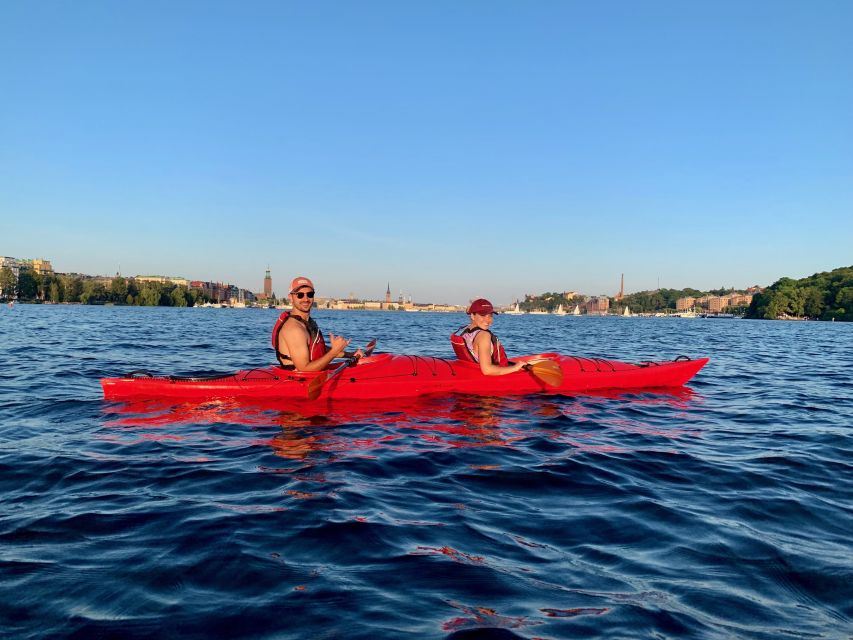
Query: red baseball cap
x=481, y=307
x=300, y=281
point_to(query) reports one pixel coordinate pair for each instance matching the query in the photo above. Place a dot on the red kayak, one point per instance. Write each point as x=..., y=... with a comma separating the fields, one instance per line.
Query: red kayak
x=404, y=376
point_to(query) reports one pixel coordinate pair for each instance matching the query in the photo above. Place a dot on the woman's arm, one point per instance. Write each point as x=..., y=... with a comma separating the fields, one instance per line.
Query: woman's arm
x=483, y=347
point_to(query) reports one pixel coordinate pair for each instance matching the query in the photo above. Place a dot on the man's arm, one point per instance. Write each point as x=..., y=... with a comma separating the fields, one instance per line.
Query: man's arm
x=295, y=338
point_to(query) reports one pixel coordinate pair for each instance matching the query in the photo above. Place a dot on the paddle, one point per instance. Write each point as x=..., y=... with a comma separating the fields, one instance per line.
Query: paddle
x=547, y=371
x=316, y=385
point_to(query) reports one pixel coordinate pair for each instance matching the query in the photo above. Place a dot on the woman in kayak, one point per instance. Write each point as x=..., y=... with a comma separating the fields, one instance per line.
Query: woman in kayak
x=476, y=342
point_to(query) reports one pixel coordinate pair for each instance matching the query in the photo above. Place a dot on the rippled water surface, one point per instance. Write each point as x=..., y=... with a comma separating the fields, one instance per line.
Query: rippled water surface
x=720, y=510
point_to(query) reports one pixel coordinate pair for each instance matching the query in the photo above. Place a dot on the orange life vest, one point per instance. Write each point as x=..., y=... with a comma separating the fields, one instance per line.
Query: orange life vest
x=462, y=341
x=316, y=343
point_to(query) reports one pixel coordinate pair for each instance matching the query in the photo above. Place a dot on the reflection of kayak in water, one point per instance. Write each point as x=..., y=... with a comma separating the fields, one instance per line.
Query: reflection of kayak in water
x=453, y=420
x=400, y=376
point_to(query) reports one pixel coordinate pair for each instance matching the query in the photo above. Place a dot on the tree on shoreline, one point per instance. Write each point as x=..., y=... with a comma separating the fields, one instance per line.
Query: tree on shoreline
x=34, y=287
x=822, y=296
x=7, y=283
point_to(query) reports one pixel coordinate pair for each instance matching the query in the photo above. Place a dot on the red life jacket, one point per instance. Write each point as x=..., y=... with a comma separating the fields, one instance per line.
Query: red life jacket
x=462, y=341
x=316, y=343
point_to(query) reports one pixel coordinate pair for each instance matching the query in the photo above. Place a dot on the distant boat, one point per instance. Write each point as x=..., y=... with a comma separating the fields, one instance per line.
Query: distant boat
x=560, y=311
x=626, y=313
x=515, y=311
x=577, y=310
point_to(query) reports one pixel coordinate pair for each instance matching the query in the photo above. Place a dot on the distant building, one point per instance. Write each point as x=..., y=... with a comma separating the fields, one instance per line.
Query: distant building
x=39, y=265
x=685, y=304
x=717, y=303
x=42, y=267
x=268, y=285
x=214, y=291
x=597, y=305
x=12, y=264
x=740, y=300
x=181, y=282
x=388, y=294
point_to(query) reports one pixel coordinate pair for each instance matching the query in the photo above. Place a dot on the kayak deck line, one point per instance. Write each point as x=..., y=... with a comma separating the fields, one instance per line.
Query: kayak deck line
x=389, y=375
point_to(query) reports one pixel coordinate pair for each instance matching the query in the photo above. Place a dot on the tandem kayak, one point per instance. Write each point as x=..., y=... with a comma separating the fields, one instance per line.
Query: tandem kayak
x=389, y=375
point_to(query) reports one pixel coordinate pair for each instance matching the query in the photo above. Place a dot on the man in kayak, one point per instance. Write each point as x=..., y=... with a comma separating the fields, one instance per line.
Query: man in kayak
x=476, y=342
x=297, y=339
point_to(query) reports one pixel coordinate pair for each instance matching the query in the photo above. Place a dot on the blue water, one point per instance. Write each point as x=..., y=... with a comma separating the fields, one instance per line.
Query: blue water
x=722, y=510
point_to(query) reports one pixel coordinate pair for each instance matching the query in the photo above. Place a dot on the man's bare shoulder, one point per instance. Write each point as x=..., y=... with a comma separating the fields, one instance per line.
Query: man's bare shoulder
x=291, y=328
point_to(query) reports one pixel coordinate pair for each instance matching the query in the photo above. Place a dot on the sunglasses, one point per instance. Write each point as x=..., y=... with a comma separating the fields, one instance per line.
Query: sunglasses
x=302, y=294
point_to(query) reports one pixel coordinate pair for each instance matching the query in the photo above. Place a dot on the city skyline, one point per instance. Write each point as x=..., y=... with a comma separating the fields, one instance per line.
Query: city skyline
x=472, y=150
x=266, y=291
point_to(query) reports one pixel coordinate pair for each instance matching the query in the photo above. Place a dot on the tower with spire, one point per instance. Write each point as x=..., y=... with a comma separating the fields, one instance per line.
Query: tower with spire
x=268, y=284
x=388, y=294
x=621, y=293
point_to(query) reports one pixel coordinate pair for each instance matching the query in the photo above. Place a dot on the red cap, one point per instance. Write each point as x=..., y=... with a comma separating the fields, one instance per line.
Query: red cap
x=300, y=281
x=481, y=307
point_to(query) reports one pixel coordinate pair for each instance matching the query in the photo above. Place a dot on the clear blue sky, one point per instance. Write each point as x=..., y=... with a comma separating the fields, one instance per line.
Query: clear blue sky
x=456, y=149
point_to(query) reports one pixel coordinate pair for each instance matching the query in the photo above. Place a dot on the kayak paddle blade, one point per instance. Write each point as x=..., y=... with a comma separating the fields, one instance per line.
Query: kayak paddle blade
x=369, y=348
x=316, y=386
x=547, y=371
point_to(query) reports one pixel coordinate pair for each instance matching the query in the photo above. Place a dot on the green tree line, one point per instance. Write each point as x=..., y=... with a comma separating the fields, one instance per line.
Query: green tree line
x=32, y=287
x=822, y=296
x=657, y=301
x=549, y=301
x=640, y=302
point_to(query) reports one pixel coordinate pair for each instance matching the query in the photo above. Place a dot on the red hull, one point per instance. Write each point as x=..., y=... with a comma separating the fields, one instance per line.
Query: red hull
x=403, y=376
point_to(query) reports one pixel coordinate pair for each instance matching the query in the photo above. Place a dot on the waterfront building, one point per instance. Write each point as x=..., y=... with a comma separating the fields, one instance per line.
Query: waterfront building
x=41, y=266
x=216, y=291
x=13, y=264
x=597, y=305
x=740, y=300
x=685, y=304
x=181, y=282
